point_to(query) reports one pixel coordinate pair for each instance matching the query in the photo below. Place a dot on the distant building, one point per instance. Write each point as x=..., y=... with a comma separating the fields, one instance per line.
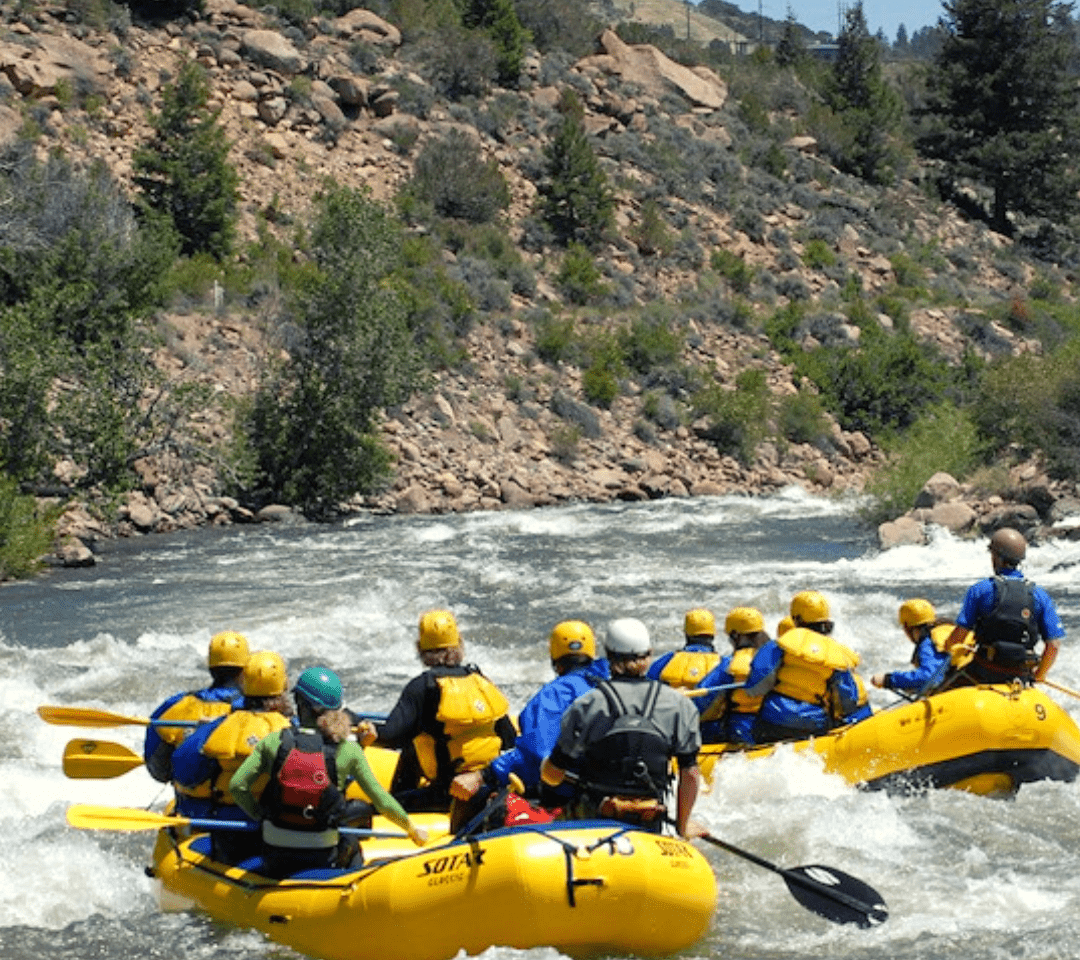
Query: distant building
x=829, y=52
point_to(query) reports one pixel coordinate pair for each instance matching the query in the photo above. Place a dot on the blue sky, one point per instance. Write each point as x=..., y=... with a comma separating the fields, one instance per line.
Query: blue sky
x=884, y=15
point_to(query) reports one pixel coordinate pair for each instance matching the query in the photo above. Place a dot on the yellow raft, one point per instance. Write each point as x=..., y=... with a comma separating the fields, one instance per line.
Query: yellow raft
x=987, y=740
x=588, y=887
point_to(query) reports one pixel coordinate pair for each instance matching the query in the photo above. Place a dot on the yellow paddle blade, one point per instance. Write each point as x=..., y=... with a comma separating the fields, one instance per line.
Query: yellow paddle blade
x=88, y=717
x=86, y=816
x=98, y=760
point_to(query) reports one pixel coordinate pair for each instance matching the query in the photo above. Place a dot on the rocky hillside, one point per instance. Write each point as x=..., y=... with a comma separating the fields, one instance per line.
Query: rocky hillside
x=506, y=428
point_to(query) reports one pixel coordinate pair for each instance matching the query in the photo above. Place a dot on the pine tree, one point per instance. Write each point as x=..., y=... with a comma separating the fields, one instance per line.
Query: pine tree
x=791, y=48
x=499, y=20
x=576, y=201
x=184, y=172
x=1002, y=105
x=868, y=106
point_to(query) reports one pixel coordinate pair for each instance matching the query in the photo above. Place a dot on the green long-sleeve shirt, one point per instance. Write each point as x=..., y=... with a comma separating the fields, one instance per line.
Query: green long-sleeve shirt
x=351, y=763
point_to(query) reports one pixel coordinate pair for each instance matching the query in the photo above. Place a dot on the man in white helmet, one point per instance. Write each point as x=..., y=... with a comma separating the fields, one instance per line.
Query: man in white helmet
x=617, y=741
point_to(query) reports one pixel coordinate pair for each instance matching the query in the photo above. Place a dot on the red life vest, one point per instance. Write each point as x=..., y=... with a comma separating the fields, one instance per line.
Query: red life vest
x=303, y=793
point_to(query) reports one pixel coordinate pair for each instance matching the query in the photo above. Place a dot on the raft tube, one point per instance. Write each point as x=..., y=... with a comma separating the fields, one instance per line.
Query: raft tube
x=587, y=887
x=987, y=740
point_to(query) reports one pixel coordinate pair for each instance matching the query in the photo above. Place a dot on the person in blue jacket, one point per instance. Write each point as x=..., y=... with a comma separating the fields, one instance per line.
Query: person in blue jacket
x=806, y=677
x=930, y=660
x=227, y=656
x=727, y=716
x=686, y=668
x=1009, y=616
x=572, y=646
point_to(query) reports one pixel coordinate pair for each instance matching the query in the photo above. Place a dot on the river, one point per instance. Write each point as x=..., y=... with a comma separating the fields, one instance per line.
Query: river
x=963, y=876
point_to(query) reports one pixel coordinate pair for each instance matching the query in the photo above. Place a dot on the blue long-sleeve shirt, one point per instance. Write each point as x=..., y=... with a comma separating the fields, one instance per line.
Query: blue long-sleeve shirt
x=540, y=722
x=929, y=662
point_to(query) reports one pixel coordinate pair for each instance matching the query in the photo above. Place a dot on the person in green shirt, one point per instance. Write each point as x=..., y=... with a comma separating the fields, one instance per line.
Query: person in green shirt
x=303, y=802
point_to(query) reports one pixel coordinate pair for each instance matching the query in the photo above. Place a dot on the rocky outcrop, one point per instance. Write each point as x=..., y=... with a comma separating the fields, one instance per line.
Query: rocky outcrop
x=649, y=70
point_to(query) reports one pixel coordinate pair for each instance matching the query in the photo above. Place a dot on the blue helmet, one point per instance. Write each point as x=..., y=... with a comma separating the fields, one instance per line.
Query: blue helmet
x=321, y=687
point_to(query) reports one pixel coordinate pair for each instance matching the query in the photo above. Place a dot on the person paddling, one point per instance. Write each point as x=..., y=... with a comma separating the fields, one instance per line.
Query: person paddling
x=728, y=715
x=204, y=764
x=930, y=659
x=226, y=657
x=617, y=742
x=572, y=648
x=686, y=668
x=1010, y=616
x=306, y=771
x=450, y=719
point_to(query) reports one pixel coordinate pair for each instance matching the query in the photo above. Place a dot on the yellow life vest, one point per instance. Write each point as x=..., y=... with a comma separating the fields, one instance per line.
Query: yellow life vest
x=739, y=668
x=739, y=701
x=469, y=708
x=810, y=659
x=190, y=707
x=230, y=744
x=687, y=668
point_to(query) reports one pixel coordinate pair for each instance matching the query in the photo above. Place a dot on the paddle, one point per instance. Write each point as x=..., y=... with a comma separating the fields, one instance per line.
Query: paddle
x=126, y=819
x=1058, y=686
x=701, y=691
x=826, y=891
x=98, y=760
x=88, y=717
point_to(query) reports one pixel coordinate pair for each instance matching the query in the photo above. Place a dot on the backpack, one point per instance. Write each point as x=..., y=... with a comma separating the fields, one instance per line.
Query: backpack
x=302, y=793
x=632, y=758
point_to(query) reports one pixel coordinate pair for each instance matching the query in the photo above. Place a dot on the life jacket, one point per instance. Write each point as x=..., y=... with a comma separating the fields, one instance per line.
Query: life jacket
x=810, y=660
x=1009, y=632
x=735, y=701
x=196, y=705
x=302, y=792
x=469, y=708
x=227, y=746
x=632, y=758
x=687, y=668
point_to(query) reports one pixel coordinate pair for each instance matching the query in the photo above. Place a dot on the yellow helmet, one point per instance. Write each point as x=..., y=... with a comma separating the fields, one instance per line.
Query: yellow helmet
x=744, y=620
x=228, y=649
x=572, y=637
x=809, y=607
x=264, y=675
x=784, y=626
x=916, y=613
x=438, y=630
x=699, y=623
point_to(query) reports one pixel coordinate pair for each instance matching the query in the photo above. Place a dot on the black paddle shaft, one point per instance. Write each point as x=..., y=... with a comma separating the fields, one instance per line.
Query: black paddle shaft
x=826, y=891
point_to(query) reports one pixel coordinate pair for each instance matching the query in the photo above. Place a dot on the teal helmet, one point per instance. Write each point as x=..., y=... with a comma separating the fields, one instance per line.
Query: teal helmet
x=321, y=687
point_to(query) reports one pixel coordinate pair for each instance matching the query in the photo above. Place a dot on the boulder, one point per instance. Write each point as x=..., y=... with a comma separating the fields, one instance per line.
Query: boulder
x=653, y=73
x=367, y=27
x=940, y=488
x=901, y=532
x=270, y=49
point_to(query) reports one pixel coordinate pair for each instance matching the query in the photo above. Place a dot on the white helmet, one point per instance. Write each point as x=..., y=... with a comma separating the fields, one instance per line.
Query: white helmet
x=627, y=638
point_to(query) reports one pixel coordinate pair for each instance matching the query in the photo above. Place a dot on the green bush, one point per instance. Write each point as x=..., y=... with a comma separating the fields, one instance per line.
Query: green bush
x=880, y=386
x=800, y=418
x=652, y=341
x=604, y=368
x=309, y=436
x=944, y=438
x=78, y=275
x=555, y=339
x=818, y=255
x=452, y=175
x=26, y=531
x=1033, y=402
x=733, y=268
x=737, y=419
x=579, y=277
